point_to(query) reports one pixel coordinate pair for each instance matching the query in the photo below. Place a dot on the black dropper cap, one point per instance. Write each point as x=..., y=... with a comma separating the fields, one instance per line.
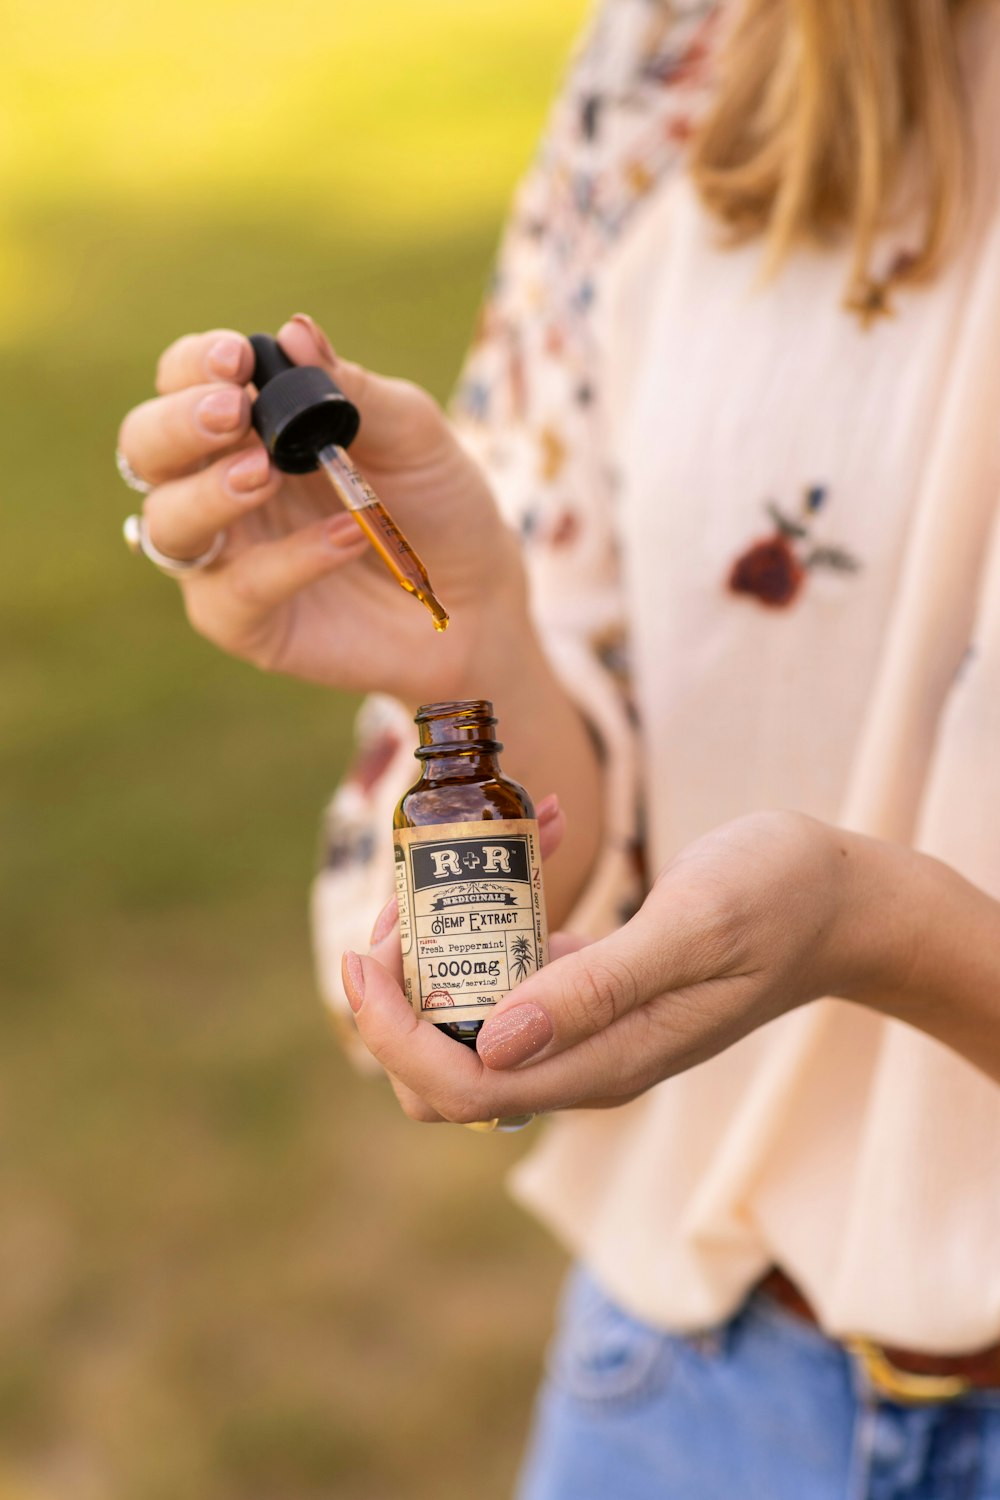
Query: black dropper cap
x=299, y=409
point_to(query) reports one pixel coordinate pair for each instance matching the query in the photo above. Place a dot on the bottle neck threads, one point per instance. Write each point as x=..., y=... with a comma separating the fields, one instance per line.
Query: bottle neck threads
x=460, y=732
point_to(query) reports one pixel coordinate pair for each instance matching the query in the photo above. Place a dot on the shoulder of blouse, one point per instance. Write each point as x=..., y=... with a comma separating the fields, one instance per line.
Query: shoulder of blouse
x=618, y=130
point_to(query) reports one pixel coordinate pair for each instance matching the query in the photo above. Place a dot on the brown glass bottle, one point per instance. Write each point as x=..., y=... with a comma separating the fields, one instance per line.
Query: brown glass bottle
x=468, y=872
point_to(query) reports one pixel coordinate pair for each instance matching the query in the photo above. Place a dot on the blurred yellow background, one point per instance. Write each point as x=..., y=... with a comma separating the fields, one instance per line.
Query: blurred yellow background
x=228, y=1268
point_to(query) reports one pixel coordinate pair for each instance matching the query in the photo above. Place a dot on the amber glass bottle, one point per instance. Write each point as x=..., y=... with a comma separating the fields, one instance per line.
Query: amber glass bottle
x=468, y=873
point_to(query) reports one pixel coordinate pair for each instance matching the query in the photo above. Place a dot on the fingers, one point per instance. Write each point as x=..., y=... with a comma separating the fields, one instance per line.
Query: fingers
x=202, y=408
x=183, y=515
x=219, y=354
x=681, y=937
x=385, y=947
x=579, y=996
x=551, y=825
x=561, y=943
x=439, y=1071
x=448, y=1078
x=247, y=589
x=386, y=951
x=173, y=435
x=413, y=1106
x=598, y=1025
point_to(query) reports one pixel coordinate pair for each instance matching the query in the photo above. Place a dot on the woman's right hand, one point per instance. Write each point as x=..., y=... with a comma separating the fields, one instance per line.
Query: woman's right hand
x=296, y=588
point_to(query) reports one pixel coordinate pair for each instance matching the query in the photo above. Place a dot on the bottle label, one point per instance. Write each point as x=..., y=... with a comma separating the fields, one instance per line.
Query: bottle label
x=471, y=914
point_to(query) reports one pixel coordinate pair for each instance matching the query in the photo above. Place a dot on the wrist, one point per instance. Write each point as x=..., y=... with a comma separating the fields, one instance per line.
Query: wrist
x=881, y=899
x=913, y=940
x=505, y=661
x=489, y=641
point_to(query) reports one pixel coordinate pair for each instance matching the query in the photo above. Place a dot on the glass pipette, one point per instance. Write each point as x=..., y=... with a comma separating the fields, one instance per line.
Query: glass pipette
x=357, y=496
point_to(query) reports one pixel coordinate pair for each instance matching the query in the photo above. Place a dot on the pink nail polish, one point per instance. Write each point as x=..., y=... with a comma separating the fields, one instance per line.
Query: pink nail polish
x=225, y=358
x=221, y=410
x=514, y=1036
x=249, y=473
x=353, y=975
x=547, y=809
x=317, y=335
x=385, y=921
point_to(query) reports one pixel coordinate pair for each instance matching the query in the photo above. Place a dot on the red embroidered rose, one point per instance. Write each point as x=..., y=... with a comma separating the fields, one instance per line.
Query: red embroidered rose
x=770, y=571
x=774, y=568
x=566, y=529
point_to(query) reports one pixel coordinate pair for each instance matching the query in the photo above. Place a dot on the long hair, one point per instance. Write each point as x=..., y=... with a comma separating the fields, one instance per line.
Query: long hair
x=827, y=109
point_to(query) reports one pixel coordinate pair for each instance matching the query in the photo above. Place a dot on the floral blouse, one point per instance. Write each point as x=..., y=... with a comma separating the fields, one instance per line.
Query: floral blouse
x=760, y=528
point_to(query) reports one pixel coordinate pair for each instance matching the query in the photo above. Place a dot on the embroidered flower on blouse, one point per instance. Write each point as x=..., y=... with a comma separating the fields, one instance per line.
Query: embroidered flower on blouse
x=566, y=529
x=540, y=528
x=774, y=568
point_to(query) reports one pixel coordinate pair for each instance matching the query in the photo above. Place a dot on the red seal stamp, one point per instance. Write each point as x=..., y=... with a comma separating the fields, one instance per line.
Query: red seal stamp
x=438, y=1000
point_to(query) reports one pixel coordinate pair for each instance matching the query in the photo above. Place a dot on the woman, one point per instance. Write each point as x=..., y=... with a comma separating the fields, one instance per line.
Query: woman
x=738, y=390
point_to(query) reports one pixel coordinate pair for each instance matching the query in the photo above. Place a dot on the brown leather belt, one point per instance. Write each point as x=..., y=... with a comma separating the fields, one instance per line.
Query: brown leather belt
x=903, y=1375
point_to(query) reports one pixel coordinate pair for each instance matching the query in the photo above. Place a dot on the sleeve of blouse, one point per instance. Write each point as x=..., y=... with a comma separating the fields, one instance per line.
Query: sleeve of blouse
x=959, y=820
x=530, y=406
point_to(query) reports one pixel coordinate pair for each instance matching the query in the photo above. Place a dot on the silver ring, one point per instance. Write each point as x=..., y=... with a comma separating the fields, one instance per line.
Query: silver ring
x=503, y=1127
x=131, y=478
x=137, y=541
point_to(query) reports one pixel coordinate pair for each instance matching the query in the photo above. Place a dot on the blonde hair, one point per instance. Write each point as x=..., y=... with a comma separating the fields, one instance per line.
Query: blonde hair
x=820, y=105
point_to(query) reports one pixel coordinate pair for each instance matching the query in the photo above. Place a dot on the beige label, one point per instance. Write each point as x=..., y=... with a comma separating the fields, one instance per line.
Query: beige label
x=471, y=914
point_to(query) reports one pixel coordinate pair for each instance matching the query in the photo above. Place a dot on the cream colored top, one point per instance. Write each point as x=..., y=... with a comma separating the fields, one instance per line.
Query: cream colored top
x=769, y=534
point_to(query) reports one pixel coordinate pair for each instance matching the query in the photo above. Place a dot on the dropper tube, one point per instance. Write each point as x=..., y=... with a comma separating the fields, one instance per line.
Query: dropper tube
x=358, y=497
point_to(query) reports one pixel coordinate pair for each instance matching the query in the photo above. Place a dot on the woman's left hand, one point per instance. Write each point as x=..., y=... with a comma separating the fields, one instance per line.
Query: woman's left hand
x=754, y=919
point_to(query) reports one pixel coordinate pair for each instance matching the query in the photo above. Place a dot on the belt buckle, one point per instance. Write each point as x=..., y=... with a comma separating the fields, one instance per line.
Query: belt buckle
x=902, y=1386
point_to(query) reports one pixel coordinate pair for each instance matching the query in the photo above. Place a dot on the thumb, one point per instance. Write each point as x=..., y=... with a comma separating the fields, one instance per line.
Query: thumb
x=401, y=423
x=575, y=997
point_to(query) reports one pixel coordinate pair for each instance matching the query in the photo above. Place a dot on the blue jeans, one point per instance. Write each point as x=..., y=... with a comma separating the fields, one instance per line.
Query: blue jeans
x=763, y=1408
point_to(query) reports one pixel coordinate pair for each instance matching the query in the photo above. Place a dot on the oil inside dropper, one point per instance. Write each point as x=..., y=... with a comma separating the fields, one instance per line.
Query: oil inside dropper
x=357, y=496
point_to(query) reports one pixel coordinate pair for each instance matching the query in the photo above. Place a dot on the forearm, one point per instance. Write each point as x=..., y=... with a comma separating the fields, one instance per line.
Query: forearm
x=928, y=947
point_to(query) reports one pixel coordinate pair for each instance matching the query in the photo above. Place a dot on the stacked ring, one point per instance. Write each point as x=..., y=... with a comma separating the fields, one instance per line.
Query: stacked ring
x=131, y=478
x=137, y=538
x=137, y=541
x=505, y=1127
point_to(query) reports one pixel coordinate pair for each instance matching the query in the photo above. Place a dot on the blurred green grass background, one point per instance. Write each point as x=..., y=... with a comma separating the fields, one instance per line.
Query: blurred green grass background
x=228, y=1268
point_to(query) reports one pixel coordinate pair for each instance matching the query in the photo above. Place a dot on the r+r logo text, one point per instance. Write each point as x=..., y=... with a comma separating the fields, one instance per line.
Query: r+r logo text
x=448, y=862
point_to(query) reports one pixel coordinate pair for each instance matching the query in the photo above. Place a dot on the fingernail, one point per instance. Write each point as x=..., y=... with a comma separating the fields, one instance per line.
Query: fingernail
x=547, y=809
x=220, y=411
x=353, y=976
x=343, y=531
x=385, y=921
x=317, y=335
x=225, y=357
x=514, y=1036
x=250, y=472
